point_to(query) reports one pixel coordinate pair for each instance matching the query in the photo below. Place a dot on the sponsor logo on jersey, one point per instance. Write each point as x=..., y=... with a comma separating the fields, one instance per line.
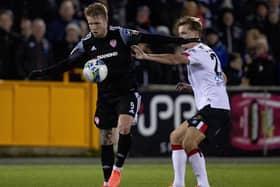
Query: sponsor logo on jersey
x=113, y=43
x=107, y=55
x=93, y=48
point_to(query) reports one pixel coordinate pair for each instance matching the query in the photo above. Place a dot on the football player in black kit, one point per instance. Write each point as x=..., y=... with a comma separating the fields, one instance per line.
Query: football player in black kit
x=118, y=99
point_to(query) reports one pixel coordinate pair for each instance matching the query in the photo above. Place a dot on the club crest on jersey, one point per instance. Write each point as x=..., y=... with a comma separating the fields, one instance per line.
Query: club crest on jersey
x=93, y=48
x=113, y=43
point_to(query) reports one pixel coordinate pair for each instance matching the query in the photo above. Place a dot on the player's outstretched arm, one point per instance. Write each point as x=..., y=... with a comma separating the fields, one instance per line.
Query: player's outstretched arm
x=159, y=39
x=58, y=68
x=161, y=58
x=133, y=37
x=49, y=70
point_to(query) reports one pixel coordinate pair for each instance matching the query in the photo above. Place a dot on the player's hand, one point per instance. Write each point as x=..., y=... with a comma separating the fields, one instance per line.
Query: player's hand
x=183, y=87
x=35, y=73
x=139, y=53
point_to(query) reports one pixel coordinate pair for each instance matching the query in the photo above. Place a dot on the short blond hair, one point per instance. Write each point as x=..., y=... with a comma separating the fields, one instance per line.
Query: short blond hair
x=194, y=23
x=96, y=9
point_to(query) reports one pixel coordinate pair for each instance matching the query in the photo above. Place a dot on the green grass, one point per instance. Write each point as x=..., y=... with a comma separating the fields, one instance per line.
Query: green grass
x=148, y=175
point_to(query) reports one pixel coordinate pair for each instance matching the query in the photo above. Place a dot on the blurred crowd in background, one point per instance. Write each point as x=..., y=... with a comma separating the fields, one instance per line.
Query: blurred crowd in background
x=245, y=35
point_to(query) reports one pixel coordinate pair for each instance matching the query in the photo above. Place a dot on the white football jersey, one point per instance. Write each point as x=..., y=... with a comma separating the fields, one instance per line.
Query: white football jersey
x=205, y=76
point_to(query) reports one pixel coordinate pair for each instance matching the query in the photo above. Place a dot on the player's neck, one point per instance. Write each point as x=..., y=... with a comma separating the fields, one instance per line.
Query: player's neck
x=190, y=45
x=193, y=44
x=105, y=33
x=101, y=35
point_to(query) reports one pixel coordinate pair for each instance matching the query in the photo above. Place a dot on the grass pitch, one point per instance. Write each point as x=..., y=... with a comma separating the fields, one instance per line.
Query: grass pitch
x=138, y=175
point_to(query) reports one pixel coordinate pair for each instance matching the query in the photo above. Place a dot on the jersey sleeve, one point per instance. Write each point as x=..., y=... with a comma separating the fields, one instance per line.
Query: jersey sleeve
x=133, y=37
x=129, y=36
x=77, y=55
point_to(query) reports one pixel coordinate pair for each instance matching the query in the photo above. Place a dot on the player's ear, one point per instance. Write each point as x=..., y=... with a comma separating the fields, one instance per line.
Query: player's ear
x=225, y=77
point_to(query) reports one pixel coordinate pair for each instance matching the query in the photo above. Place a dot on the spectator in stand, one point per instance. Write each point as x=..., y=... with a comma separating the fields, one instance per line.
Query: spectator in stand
x=84, y=28
x=262, y=70
x=162, y=12
x=274, y=6
x=205, y=13
x=231, y=34
x=9, y=42
x=272, y=33
x=143, y=21
x=25, y=28
x=117, y=11
x=272, y=30
x=252, y=36
x=212, y=39
x=259, y=18
x=63, y=48
x=45, y=9
x=166, y=12
x=56, y=29
x=241, y=10
x=149, y=73
x=36, y=52
x=234, y=70
x=191, y=8
x=72, y=36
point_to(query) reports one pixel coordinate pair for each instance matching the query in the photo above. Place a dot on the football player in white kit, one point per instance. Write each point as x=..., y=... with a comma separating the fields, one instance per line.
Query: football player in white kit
x=208, y=83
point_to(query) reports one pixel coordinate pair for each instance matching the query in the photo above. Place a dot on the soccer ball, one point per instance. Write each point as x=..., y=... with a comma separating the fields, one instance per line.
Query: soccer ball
x=95, y=70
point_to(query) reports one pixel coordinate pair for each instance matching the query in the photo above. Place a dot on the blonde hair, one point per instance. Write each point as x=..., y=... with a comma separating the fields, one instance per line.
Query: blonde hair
x=96, y=9
x=193, y=22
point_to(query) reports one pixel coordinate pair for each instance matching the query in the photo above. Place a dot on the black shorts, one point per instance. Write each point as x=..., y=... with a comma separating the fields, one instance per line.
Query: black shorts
x=108, y=110
x=210, y=121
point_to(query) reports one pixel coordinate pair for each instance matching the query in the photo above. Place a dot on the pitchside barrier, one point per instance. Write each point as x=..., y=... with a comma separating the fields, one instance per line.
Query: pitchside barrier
x=52, y=114
x=59, y=114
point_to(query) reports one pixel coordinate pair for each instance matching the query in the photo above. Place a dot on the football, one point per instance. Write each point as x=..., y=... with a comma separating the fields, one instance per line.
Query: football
x=95, y=70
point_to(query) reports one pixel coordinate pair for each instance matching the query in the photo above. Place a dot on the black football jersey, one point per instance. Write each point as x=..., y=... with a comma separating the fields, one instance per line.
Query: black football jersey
x=114, y=51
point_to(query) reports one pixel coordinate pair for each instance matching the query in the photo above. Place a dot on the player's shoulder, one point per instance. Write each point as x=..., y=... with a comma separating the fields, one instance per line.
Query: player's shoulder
x=200, y=48
x=115, y=28
x=199, y=53
x=205, y=48
x=124, y=31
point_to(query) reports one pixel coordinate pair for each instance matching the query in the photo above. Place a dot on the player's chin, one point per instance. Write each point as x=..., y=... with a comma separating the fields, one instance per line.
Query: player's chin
x=96, y=34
